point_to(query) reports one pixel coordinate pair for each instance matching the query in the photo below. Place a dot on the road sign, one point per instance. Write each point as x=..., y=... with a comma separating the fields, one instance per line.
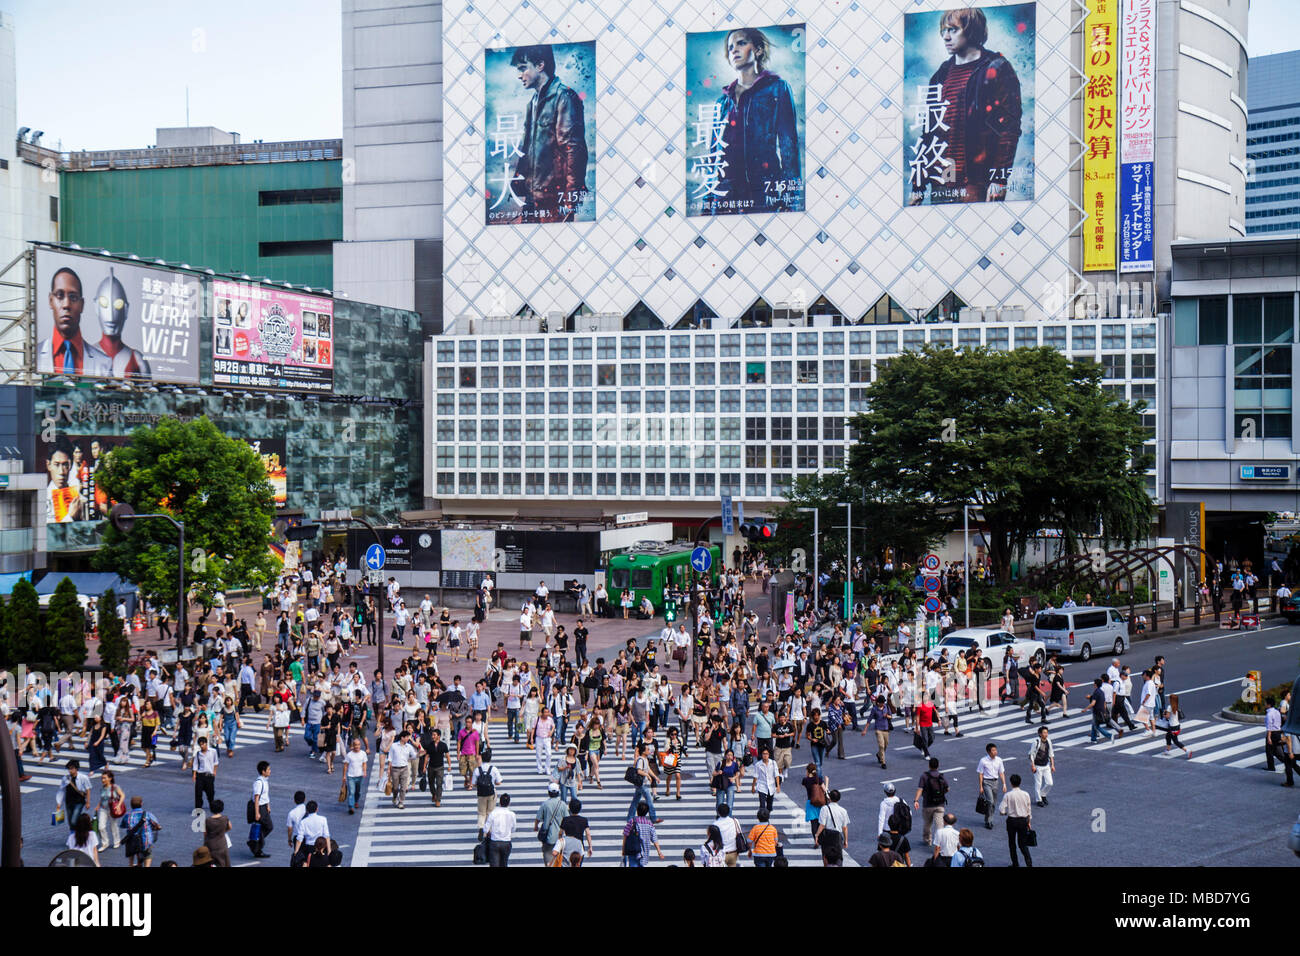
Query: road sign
x=931, y=562
x=701, y=559
x=727, y=527
x=932, y=605
x=740, y=512
x=931, y=585
x=375, y=557
x=375, y=577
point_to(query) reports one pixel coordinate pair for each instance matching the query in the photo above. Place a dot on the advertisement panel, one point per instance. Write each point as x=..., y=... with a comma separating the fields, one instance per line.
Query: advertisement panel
x=745, y=94
x=109, y=319
x=968, y=105
x=271, y=338
x=1100, y=102
x=70, y=462
x=1137, y=137
x=540, y=119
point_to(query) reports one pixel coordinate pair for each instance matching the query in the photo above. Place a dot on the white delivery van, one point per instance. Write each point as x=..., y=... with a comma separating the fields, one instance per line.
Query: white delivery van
x=1082, y=631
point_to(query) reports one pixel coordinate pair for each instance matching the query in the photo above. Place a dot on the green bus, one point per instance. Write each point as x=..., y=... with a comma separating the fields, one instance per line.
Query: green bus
x=650, y=567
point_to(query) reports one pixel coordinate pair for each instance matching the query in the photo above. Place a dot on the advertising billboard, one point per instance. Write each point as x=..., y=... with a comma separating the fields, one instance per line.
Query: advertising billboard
x=745, y=127
x=1100, y=103
x=968, y=105
x=70, y=462
x=1137, y=136
x=108, y=319
x=540, y=143
x=271, y=338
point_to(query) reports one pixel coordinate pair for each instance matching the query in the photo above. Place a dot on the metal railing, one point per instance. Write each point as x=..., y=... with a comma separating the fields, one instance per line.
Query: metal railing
x=223, y=155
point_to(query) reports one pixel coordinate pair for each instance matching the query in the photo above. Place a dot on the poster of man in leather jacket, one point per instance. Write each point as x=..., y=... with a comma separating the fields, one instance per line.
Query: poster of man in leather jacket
x=969, y=125
x=540, y=133
x=745, y=120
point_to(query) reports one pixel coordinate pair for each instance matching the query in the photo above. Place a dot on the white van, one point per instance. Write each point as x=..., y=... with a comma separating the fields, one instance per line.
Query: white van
x=1082, y=631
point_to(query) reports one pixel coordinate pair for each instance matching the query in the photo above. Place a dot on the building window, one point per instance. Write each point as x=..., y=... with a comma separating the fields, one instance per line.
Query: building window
x=654, y=484
x=781, y=400
x=706, y=404
x=780, y=343
x=582, y=429
x=559, y=349
x=488, y=457
x=632, y=374
x=581, y=457
x=833, y=343
x=446, y=483
x=487, y=484
x=446, y=378
x=511, y=350
x=607, y=348
x=704, y=485
x=679, y=373
x=782, y=456
x=469, y=484
x=582, y=348
x=729, y=429
x=729, y=401
x=755, y=345
x=806, y=429
x=606, y=375
x=859, y=342
x=468, y=458
x=582, y=376
x=535, y=350
x=755, y=400
x=446, y=351
x=1262, y=376
x=859, y=370
x=755, y=373
x=606, y=483
x=535, y=376
x=468, y=430
x=679, y=402
x=755, y=429
x=630, y=457
x=941, y=338
x=1113, y=337
x=534, y=456
x=534, y=431
x=729, y=456
x=680, y=346
x=807, y=457
x=489, y=352
x=654, y=374
x=559, y=484
x=582, y=403
x=510, y=484
x=582, y=485
x=512, y=376
x=756, y=456
x=446, y=404
x=729, y=347
x=489, y=430
x=679, y=484
x=756, y=484
x=1026, y=337
x=858, y=400
x=782, y=373
x=631, y=347
x=297, y=247
x=807, y=372
x=534, y=483
x=559, y=376
x=535, y=403
x=1114, y=366
x=887, y=343
x=913, y=339
x=1144, y=365
x=807, y=343
x=968, y=338
x=730, y=373
x=654, y=402
x=510, y=430
x=1083, y=338
x=446, y=456
x=729, y=483
x=807, y=400
x=559, y=428
x=782, y=429
x=1054, y=337
x=488, y=377
x=1144, y=335
x=781, y=485
x=833, y=456
x=997, y=339
x=654, y=456
x=654, y=346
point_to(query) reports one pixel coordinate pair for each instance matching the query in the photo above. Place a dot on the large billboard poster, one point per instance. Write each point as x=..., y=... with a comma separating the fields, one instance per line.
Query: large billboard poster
x=105, y=318
x=1100, y=103
x=71, y=461
x=540, y=116
x=1137, y=136
x=745, y=94
x=968, y=105
x=271, y=338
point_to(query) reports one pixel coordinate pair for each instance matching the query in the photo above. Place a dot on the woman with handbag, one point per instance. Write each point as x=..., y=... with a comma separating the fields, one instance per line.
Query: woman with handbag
x=596, y=747
x=672, y=759
x=110, y=808
x=814, y=785
x=330, y=724
x=622, y=724
x=727, y=779
x=149, y=722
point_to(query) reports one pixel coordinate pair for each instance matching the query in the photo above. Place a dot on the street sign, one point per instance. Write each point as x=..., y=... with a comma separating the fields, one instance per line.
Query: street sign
x=701, y=559
x=727, y=527
x=931, y=562
x=632, y=517
x=740, y=512
x=375, y=577
x=931, y=585
x=932, y=605
x=375, y=557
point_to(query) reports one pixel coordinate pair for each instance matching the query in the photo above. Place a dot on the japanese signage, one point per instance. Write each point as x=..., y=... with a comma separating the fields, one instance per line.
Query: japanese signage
x=1100, y=103
x=1266, y=472
x=274, y=452
x=745, y=94
x=968, y=105
x=1137, y=137
x=540, y=133
x=105, y=318
x=271, y=338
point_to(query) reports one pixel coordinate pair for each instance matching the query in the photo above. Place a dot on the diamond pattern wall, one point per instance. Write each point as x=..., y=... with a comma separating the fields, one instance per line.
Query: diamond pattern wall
x=853, y=164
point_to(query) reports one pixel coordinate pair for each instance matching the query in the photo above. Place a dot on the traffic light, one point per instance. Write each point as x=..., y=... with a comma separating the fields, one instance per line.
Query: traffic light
x=759, y=530
x=670, y=611
x=302, y=532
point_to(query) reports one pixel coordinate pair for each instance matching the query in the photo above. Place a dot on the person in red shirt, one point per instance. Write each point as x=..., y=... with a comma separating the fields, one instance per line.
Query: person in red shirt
x=925, y=725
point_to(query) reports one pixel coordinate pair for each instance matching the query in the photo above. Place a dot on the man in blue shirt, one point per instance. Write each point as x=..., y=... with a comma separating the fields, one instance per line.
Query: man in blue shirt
x=480, y=701
x=312, y=715
x=878, y=720
x=763, y=723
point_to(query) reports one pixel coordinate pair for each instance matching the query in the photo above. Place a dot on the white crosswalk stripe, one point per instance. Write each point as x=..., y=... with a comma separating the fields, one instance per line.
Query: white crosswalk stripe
x=1211, y=741
x=445, y=836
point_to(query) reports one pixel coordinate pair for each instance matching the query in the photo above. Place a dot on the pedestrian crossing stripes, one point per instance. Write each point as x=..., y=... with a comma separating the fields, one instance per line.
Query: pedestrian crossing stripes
x=49, y=773
x=1222, y=743
x=424, y=835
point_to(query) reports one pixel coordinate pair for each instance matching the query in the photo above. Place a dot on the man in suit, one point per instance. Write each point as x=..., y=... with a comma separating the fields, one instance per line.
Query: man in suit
x=65, y=351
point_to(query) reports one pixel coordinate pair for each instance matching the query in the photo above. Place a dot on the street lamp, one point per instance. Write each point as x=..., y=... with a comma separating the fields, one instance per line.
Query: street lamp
x=123, y=518
x=848, y=576
x=817, y=603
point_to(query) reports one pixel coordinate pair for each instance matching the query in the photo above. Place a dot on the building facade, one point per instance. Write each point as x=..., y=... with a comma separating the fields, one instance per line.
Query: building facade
x=200, y=196
x=1273, y=146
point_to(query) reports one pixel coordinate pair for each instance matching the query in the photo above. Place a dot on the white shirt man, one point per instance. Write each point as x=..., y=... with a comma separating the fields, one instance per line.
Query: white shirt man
x=1112, y=672
x=728, y=827
x=542, y=592
x=500, y=825
x=426, y=606
x=886, y=810
x=312, y=827
x=947, y=840
x=1283, y=592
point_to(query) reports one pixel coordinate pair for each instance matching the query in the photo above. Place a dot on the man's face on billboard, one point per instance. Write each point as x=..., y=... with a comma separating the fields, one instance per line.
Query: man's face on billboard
x=66, y=304
x=740, y=51
x=94, y=449
x=530, y=74
x=954, y=38
x=59, y=467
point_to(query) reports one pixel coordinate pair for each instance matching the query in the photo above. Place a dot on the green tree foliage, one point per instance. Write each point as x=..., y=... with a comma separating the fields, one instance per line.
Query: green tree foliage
x=65, y=628
x=23, y=625
x=215, y=485
x=1029, y=436
x=114, y=645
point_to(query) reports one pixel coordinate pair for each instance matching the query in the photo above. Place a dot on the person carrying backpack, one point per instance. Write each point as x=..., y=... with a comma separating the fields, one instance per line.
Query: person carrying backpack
x=638, y=837
x=895, y=820
x=485, y=780
x=934, y=788
x=968, y=853
x=832, y=832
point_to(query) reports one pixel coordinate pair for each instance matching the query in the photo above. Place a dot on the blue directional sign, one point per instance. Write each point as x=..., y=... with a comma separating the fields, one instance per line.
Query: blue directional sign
x=740, y=512
x=727, y=527
x=375, y=557
x=701, y=559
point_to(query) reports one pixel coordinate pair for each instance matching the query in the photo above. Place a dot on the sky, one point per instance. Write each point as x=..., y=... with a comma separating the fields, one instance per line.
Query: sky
x=98, y=75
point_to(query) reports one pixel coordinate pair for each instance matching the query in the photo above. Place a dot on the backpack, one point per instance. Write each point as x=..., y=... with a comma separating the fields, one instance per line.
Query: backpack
x=632, y=841
x=972, y=856
x=900, y=818
x=133, y=843
x=935, y=789
x=484, y=785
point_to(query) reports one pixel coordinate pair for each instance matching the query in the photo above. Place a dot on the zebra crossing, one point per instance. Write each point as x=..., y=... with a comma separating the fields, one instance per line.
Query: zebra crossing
x=424, y=835
x=1222, y=743
x=47, y=774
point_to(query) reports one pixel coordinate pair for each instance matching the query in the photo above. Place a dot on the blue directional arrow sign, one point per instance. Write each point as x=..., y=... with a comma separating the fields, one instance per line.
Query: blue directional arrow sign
x=701, y=559
x=375, y=557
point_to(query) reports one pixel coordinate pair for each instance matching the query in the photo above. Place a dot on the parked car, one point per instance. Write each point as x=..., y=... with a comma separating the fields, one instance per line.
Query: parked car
x=1291, y=608
x=1082, y=631
x=995, y=643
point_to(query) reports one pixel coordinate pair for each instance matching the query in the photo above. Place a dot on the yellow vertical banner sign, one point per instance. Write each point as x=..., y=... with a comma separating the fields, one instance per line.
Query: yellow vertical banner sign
x=1100, y=161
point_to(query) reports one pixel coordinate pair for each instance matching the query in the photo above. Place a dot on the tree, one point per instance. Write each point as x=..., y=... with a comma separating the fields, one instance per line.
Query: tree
x=65, y=628
x=1027, y=435
x=23, y=624
x=114, y=645
x=215, y=485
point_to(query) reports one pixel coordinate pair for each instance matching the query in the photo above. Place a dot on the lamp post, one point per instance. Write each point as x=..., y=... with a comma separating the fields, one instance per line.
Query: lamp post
x=817, y=602
x=848, y=576
x=123, y=518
